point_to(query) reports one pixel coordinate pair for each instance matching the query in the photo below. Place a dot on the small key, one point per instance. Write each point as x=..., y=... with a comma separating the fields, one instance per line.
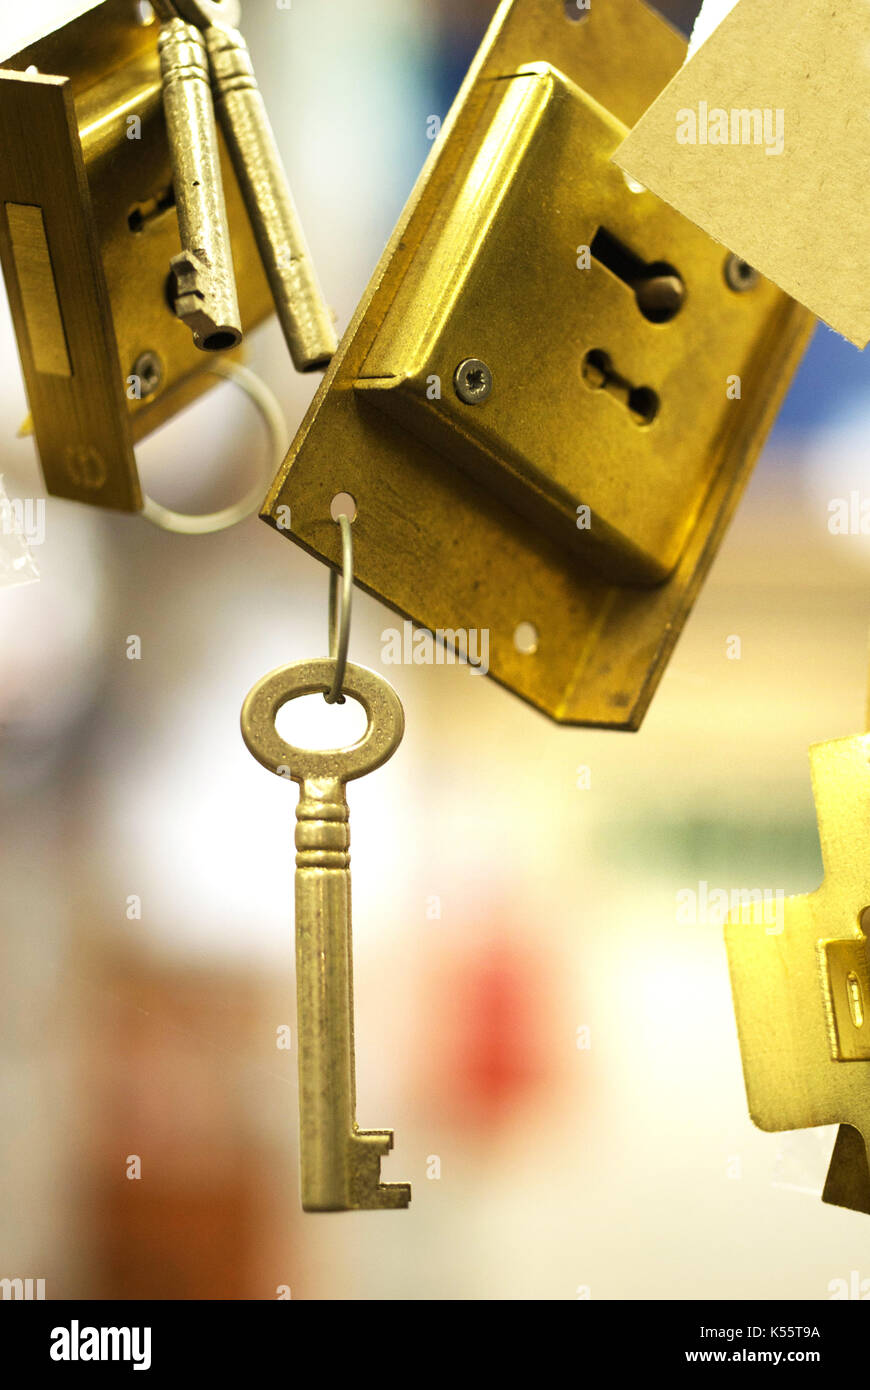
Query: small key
x=299, y=302
x=204, y=285
x=340, y=1163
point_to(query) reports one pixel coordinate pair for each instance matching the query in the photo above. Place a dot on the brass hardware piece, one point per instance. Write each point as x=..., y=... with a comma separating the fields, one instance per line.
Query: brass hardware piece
x=592, y=514
x=801, y=983
x=204, y=281
x=87, y=147
x=340, y=1163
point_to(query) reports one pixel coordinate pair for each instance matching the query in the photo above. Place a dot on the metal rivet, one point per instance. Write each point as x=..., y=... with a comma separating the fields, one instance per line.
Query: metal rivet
x=740, y=275
x=472, y=381
x=149, y=369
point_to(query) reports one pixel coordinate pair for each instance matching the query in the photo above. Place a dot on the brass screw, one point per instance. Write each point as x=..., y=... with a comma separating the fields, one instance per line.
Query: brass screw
x=740, y=275
x=472, y=381
x=149, y=369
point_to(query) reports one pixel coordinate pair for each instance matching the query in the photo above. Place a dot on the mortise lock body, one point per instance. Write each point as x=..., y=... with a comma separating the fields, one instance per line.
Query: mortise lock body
x=555, y=386
x=88, y=229
x=606, y=394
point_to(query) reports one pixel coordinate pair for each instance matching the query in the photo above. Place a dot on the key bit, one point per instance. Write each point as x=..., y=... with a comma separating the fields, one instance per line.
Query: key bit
x=302, y=310
x=340, y=1163
x=204, y=287
x=801, y=984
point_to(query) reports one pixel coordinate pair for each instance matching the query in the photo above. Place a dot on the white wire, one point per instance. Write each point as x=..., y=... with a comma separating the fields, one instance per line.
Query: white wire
x=183, y=524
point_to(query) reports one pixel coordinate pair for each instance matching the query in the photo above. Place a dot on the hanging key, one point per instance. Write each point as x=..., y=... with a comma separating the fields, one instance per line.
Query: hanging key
x=204, y=286
x=305, y=318
x=340, y=1163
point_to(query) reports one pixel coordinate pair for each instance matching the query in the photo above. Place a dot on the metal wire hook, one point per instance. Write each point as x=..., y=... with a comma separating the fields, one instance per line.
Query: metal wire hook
x=339, y=623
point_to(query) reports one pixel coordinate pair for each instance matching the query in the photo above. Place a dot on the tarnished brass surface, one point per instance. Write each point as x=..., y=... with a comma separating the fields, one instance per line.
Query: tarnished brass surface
x=802, y=992
x=204, y=281
x=467, y=507
x=340, y=1163
x=111, y=231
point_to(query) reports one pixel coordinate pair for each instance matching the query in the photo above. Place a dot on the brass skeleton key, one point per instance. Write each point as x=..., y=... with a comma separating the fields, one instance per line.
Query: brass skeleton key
x=299, y=302
x=204, y=285
x=340, y=1163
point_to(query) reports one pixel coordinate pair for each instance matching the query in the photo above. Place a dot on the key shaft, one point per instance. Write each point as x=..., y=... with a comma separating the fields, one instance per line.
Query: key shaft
x=302, y=310
x=340, y=1163
x=204, y=285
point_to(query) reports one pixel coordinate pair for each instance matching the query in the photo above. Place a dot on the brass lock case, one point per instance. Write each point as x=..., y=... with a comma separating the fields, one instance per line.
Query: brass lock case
x=87, y=232
x=535, y=406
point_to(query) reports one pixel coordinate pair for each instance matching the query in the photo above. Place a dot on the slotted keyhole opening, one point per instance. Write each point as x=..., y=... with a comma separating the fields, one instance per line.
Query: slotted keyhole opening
x=599, y=374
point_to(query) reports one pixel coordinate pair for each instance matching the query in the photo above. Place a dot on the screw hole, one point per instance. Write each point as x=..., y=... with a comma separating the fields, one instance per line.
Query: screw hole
x=576, y=10
x=343, y=504
x=526, y=638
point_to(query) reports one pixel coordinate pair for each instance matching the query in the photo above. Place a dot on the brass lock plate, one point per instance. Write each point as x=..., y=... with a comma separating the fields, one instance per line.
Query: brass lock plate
x=534, y=408
x=87, y=231
x=800, y=978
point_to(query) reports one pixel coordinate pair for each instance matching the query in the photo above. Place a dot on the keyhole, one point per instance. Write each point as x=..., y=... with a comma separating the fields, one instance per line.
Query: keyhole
x=642, y=402
x=657, y=286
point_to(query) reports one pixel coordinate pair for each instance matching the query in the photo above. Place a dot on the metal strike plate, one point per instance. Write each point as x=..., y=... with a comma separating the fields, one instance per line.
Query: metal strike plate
x=539, y=340
x=87, y=231
x=801, y=984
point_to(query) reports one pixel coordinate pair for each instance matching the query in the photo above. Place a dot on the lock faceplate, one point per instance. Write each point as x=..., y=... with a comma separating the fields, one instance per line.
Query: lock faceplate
x=537, y=341
x=86, y=263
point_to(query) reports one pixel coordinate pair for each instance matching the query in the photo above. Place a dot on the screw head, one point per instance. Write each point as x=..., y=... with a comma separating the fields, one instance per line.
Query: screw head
x=472, y=381
x=149, y=369
x=740, y=275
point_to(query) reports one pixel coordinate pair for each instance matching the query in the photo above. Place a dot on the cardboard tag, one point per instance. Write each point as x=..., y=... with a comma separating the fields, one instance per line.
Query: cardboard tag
x=763, y=140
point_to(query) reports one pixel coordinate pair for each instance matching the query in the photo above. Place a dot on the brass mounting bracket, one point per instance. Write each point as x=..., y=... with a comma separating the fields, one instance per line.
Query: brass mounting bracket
x=801, y=985
x=535, y=407
x=87, y=232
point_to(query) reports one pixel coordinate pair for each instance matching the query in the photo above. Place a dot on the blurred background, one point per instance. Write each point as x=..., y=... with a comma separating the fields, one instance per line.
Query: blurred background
x=555, y=1050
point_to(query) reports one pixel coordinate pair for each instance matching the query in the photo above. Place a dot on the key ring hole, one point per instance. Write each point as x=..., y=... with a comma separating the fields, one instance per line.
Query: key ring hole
x=307, y=721
x=269, y=696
